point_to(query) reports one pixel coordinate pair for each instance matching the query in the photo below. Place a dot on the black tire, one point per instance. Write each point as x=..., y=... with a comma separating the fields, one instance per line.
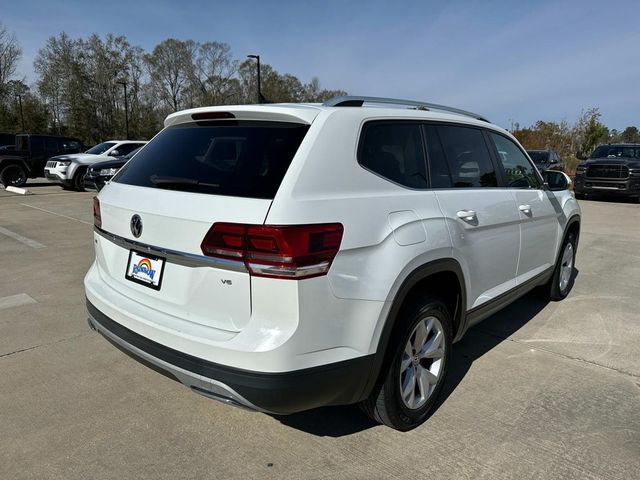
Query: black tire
x=13, y=175
x=385, y=404
x=556, y=290
x=580, y=196
x=78, y=179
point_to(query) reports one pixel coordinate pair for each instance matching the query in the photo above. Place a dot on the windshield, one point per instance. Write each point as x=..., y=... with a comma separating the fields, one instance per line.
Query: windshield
x=101, y=148
x=131, y=154
x=237, y=158
x=616, y=151
x=538, y=157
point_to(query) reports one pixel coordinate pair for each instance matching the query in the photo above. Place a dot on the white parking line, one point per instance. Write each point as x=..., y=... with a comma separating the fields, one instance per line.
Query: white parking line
x=16, y=301
x=21, y=239
x=58, y=214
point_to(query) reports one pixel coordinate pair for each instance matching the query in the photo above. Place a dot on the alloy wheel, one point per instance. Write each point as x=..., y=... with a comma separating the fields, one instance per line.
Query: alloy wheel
x=566, y=267
x=422, y=362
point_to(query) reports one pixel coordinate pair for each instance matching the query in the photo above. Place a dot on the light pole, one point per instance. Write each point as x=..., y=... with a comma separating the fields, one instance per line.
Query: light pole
x=257, y=57
x=21, y=113
x=126, y=107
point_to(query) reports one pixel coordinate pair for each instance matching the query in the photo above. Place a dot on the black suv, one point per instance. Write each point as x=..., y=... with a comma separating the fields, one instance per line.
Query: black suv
x=546, y=160
x=31, y=152
x=611, y=169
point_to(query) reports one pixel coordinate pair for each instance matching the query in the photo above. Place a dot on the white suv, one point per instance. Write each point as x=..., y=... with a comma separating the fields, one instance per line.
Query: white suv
x=69, y=170
x=285, y=257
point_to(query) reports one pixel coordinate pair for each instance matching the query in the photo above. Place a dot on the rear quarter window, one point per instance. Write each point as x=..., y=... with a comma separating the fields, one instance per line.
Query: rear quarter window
x=394, y=151
x=230, y=157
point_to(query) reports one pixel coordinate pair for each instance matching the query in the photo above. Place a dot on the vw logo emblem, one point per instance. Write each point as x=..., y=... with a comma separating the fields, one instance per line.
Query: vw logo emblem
x=136, y=225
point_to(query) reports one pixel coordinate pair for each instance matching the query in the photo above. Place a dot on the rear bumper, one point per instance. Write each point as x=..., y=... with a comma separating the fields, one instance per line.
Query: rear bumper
x=627, y=187
x=278, y=393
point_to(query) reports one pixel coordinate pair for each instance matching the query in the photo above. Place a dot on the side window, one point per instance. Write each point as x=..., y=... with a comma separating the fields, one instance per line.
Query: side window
x=438, y=168
x=51, y=146
x=22, y=142
x=126, y=148
x=70, y=146
x=519, y=171
x=394, y=151
x=37, y=145
x=468, y=157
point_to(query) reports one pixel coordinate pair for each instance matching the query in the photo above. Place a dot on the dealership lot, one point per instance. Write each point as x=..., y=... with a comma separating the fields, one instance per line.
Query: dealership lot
x=540, y=390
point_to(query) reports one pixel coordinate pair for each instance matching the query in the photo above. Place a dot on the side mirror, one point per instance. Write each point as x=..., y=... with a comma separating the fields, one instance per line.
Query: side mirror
x=114, y=153
x=581, y=156
x=556, y=181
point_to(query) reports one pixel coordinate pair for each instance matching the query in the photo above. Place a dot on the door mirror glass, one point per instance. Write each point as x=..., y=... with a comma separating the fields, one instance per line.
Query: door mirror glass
x=556, y=181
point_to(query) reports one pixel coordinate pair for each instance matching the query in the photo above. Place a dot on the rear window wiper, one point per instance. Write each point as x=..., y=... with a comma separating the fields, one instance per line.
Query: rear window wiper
x=168, y=182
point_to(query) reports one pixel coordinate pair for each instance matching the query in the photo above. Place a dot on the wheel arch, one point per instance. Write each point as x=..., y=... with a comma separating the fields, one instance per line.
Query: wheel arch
x=74, y=168
x=445, y=278
x=573, y=226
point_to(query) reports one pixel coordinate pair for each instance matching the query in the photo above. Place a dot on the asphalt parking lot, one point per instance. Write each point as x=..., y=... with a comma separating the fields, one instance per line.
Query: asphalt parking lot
x=540, y=390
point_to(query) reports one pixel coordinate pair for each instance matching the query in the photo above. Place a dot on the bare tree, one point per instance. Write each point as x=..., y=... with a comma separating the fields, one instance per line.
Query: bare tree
x=170, y=66
x=213, y=74
x=10, y=54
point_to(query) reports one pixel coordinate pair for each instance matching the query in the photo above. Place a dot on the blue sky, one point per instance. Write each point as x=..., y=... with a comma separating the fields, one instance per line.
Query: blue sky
x=509, y=60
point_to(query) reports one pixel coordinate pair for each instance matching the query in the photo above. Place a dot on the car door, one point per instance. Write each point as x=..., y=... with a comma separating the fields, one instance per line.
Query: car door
x=481, y=216
x=38, y=154
x=538, y=217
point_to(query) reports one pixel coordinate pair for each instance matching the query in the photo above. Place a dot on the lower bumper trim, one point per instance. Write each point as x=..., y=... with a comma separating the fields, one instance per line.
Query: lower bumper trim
x=277, y=393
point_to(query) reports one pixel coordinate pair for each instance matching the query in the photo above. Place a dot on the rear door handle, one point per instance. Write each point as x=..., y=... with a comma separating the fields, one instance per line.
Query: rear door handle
x=526, y=209
x=467, y=215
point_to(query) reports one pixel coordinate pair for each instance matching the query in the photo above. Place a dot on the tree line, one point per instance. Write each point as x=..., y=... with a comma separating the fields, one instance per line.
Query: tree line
x=571, y=139
x=79, y=89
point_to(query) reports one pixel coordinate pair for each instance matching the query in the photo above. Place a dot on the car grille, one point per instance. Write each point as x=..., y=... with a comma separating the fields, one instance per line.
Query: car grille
x=51, y=164
x=608, y=171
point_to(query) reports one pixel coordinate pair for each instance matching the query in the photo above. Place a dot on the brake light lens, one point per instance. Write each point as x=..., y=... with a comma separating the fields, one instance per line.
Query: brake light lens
x=288, y=252
x=97, y=217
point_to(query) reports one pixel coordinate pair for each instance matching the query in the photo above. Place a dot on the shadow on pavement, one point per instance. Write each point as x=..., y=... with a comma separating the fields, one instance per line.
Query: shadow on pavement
x=40, y=184
x=346, y=420
x=600, y=197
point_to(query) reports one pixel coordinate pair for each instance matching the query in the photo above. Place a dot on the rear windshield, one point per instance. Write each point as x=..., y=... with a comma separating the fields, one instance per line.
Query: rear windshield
x=614, y=151
x=538, y=157
x=228, y=157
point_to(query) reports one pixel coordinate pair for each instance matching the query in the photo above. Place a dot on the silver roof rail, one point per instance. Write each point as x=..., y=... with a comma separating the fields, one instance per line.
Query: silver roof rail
x=356, y=101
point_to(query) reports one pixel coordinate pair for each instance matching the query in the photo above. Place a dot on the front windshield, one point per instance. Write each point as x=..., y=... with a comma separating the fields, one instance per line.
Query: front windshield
x=538, y=157
x=100, y=149
x=128, y=156
x=616, y=151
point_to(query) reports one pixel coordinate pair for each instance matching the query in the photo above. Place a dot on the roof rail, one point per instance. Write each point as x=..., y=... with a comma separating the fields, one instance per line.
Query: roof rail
x=356, y=101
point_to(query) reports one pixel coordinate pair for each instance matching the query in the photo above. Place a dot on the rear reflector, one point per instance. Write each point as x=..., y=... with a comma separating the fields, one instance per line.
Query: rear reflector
x=97, y=217
x=290, y=251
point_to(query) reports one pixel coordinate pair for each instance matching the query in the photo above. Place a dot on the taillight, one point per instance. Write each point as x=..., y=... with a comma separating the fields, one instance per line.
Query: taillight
x=292, y=252
x=97, y=218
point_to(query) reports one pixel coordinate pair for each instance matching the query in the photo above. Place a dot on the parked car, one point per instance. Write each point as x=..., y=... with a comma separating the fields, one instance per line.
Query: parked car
x=27, y=159
x=69, y=170
x=546, y=160
x=287, y=257
x=100, y=173
x=612, y=169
